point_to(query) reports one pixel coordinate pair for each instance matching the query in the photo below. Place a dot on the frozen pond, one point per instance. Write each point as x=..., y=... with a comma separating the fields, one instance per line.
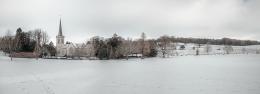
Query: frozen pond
x=221, y=74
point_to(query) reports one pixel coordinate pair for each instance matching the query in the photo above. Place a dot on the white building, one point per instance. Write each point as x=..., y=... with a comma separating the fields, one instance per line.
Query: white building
x=70, y=49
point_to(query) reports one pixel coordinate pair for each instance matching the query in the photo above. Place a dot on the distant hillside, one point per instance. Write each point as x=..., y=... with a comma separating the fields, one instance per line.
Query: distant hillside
x=223, y=41
x=185, y=49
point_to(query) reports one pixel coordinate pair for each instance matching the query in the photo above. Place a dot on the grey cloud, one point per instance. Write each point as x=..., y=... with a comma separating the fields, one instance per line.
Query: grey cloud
x=83, y=19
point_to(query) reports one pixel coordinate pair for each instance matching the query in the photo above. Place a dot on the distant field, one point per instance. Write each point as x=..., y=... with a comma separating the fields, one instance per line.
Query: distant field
x=214, y=50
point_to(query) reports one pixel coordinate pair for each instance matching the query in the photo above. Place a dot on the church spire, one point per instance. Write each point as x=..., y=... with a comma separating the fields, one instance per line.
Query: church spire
x=60, y=29
x=59, y=37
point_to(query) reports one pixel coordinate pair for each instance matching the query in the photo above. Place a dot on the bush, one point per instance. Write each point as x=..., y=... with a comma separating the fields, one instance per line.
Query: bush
x=153, y=53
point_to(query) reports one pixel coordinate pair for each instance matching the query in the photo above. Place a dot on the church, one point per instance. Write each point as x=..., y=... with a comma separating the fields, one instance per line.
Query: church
x=70, y=49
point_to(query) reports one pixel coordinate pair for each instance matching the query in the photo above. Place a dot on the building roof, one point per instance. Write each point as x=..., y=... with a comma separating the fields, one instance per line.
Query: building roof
x=60, y=29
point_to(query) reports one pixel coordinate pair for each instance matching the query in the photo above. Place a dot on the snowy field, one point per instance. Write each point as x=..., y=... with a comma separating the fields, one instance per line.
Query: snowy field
x=214, y=50
x=214, y=74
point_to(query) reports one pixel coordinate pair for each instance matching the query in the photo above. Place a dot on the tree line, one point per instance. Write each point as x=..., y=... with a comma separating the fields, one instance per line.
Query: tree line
x=36, y=41
x=223, y=41
x=116, y=47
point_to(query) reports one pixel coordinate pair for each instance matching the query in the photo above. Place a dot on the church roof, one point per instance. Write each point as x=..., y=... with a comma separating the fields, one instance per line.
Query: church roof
x=60, y=29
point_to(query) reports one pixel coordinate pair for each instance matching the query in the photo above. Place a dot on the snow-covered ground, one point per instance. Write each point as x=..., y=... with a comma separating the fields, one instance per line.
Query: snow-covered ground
x=207, y=74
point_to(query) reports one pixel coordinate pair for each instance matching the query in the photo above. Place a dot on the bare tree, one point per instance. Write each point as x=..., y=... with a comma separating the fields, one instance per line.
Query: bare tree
x=228, y=49
x=163, y=42
x=77, y=50
x=127, y=47
x=143, y=37
x=38, y=36
x=9, y=43
x=44, y=41
x=96, y=43
x=91, y=48
x=197, y=49
x=243, y=50
x=1, y=43
x=208, y=48
x=172, y=46
x=45, y=38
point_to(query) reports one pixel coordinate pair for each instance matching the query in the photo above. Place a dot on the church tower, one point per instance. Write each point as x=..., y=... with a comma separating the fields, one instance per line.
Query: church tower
x=60, y=37
x=60, y=42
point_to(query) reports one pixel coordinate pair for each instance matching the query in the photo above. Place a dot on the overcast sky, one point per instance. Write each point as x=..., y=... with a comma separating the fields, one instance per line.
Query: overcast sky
x=83, y=19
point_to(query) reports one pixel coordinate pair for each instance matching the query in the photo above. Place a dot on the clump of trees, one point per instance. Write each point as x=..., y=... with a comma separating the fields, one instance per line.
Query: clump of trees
x=163, y=43
x=117, y=47
x=32, y=41
x=114, y=44
x=7, y=42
